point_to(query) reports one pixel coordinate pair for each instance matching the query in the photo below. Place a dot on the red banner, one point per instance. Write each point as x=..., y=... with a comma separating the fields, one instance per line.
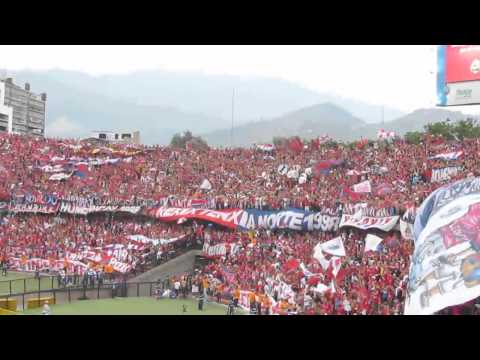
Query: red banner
x=228, y=218
x=462, y=63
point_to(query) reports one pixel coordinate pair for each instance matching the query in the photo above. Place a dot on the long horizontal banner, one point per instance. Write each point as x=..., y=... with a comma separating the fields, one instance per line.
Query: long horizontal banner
x=251, y=219
x=365, y=222
x=71, y=208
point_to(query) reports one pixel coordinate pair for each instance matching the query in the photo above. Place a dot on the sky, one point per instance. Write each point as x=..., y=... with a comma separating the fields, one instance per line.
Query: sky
x=401, y=76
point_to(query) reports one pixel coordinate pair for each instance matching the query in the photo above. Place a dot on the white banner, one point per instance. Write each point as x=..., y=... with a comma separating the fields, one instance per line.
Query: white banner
x=445, y=266
x=60, y=176
x=363, y=187
x=444, y=174
x=215, y=250
x=366, y=222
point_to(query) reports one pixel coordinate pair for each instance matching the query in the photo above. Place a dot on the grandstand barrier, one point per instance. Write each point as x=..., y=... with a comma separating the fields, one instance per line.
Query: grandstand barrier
x=8, y=304
x=65, y=295
x=7, y=312
x=38, y=302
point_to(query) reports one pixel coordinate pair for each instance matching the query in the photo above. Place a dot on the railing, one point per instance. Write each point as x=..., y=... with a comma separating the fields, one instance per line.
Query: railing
x=100, y=291
x=49, y=282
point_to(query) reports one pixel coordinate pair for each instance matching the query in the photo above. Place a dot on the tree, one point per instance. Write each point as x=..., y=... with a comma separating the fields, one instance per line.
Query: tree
x=466, y=129
x=414, y=137
x=181, y=141
x=279, y=141
x=443, y=128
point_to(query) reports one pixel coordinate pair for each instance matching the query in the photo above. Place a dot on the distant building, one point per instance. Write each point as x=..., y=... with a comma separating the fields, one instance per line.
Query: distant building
x=21, y=111
x=125, y=137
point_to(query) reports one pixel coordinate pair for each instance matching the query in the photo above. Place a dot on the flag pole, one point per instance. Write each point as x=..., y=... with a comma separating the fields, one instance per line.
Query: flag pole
x=233, y=109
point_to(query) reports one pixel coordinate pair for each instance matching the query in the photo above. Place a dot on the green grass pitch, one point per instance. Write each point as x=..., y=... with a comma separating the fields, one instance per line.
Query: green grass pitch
x=135, y=306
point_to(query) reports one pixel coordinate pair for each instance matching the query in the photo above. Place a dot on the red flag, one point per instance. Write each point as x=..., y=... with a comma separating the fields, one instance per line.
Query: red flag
x=296, y=145
x=352, y=194
x=292, y=264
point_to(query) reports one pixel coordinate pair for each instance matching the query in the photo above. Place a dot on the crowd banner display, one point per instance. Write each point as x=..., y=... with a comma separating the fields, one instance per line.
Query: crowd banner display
x=386, y=223
x=293, y=219
x=443, y=174
x=445, y=265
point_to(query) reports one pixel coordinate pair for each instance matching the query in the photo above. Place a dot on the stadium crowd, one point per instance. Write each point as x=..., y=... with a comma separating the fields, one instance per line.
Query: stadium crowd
x=276, y=265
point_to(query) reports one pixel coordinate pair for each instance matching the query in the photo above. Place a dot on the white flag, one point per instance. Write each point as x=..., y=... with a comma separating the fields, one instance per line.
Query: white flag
x=318, y=254
x=206, y=185
x=305, y=271
x=334, y=247
x=332, y=287
x=336, y=265
x=372, y=242
x=363, y=187
x=60, y=176
x=321, y=288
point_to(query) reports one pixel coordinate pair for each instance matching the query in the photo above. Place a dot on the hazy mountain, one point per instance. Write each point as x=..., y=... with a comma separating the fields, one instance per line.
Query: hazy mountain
x=160, y=103
x=255, y=97
x=307, y=123
x=328, y=119
x=75, y=113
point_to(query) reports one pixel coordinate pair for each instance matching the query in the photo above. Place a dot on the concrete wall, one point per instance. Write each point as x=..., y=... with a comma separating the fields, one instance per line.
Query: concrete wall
x=179, y=265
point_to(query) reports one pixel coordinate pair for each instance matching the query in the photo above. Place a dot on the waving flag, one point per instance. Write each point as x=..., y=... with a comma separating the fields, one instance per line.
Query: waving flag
x=334, y=247
x=448, y=156
x=372, y=242
x=292, y=264
x=351, y=194
x=295, y=145
x=363, y=187
x=318, y=254
x=383, y=189
x=382, y=134
x=323, y=167
x=336, y=263
x=266, y=147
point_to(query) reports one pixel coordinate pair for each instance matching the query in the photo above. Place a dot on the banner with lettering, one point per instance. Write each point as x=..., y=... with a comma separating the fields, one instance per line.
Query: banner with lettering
x=445, y=266
x=34, y=208
x=366, y=222
x=293, y=219
x=72, y=208
x=443, y=174
x=217, y=250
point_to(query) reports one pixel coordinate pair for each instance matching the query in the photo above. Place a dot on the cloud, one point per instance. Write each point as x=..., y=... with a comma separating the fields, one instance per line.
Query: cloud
x=63, y=127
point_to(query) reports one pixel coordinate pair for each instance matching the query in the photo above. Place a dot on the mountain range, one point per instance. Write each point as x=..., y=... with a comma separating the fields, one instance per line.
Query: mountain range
x=328, y=118
x=161, y=103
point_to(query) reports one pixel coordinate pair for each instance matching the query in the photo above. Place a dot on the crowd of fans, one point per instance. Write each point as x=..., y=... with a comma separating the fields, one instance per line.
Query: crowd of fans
x=367, y=283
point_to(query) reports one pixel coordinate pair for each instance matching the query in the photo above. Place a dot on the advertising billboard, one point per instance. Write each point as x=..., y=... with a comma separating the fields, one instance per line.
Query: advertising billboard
x=458, y=75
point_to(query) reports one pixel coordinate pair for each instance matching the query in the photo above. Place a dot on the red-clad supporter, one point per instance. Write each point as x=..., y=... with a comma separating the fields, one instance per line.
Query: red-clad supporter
x=275, y=263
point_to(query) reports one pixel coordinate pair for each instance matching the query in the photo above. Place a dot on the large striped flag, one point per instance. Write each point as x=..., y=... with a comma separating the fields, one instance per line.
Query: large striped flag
x=448, y=156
